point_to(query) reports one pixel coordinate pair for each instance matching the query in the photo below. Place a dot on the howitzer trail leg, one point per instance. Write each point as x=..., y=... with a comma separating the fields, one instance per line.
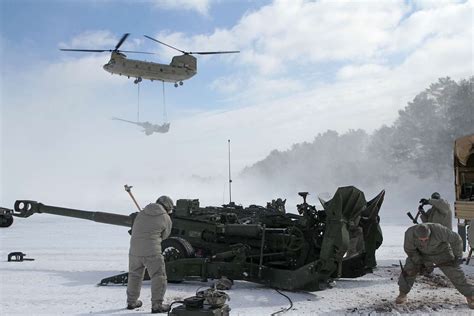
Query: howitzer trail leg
x=156, y=269
x=135, y=277
x=121, y=278
x=457, y=277
x=408, y=276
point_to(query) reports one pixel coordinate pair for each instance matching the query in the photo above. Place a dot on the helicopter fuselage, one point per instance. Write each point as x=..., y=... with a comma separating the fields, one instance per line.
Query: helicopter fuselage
x=181, y=68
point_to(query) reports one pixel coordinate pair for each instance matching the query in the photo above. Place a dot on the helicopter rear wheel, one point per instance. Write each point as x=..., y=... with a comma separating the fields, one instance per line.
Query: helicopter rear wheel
x=180, y=83
x=175, y=84
x=138, y=80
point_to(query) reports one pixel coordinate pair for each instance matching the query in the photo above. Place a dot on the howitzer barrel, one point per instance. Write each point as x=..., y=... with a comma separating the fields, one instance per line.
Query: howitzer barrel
x=26, y=208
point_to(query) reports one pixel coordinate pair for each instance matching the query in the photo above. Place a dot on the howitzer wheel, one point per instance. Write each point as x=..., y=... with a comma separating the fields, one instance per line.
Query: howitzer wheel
x=296, y=240
x=6, y=220
x=175, y=248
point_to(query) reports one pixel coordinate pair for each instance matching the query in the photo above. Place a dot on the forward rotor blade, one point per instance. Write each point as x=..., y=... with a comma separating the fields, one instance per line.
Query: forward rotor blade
x=124, y=37
x=179, y=50
x=86, y=50
x=210, y=53
x=103, y=50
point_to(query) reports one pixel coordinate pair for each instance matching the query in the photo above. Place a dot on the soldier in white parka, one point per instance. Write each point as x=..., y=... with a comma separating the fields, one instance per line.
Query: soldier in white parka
x=150, y=227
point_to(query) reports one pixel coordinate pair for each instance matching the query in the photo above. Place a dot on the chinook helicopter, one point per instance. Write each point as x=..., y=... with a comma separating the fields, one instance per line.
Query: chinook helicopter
x=181, y=68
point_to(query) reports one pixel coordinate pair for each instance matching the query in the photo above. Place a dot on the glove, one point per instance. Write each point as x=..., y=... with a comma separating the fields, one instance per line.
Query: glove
x=426, y=269
x=423, y=201
x=458, y=261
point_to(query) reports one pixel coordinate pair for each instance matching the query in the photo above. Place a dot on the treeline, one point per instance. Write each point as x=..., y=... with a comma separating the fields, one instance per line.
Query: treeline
x=419, y=143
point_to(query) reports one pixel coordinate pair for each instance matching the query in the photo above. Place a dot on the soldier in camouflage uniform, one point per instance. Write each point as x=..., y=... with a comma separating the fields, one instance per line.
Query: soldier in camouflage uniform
x=440, y=212
x=433, y=245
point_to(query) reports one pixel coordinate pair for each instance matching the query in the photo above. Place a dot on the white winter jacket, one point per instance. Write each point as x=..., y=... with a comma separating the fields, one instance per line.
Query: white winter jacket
x=150, y=227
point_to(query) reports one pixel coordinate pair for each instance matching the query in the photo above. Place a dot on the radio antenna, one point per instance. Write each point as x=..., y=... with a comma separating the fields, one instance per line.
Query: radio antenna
x=230, y=179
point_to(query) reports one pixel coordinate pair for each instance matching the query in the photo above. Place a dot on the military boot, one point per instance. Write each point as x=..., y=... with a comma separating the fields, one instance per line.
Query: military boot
x=160, y=308
x=137, y=304
x=401, y=298
x=470, y=301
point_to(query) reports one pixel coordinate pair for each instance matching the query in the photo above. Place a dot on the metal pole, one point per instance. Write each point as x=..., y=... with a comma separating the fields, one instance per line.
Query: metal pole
x=138, y=103
x=230, y=179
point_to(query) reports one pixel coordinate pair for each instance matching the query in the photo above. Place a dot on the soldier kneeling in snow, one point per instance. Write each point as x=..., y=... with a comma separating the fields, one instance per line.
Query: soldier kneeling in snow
x=431, y=245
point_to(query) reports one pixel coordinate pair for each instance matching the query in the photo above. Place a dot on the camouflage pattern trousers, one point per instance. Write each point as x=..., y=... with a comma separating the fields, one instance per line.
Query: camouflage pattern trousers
x=136, y=271
x=453, y=272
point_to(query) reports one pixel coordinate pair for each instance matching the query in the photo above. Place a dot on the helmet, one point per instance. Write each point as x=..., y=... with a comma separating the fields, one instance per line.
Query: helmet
x=166, y=202
x=435, y=196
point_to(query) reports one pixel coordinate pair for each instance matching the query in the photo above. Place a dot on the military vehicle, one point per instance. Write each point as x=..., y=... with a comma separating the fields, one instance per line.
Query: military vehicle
x=266, y=245
x=464, y=186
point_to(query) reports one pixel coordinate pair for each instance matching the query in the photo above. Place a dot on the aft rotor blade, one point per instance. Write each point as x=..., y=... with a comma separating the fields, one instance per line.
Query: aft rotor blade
x=221, y=52
x=86, y=50
x=124, y=37
x=179, y=50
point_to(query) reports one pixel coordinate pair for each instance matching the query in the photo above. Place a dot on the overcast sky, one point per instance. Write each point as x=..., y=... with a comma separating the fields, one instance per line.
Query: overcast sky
x=304, y=67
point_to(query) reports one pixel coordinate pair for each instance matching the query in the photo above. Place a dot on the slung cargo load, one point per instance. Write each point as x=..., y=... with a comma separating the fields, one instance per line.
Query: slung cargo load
x=266, y=245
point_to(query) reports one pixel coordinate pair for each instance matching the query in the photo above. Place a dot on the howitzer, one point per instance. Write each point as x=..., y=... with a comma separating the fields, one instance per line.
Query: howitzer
x=258, y=244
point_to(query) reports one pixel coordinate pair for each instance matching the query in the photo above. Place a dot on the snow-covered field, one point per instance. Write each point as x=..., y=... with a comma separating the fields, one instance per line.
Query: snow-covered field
x=72, y=255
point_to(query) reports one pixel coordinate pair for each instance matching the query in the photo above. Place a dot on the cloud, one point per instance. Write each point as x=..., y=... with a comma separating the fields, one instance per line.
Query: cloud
x=433, y=4
x=445, y=19
x=308, y=43
x=91, y=40
x=200, y=6
x=284, y=35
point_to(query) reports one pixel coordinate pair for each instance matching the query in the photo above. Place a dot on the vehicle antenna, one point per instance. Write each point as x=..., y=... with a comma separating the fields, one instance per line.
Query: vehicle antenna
x=230, y=179
x=138, y=102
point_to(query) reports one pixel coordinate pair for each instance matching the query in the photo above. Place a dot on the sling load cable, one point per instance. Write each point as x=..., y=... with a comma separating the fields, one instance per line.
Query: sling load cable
x=165, y=118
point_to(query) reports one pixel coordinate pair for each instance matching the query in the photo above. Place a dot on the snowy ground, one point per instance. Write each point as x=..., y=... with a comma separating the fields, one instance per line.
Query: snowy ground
x=72, y=255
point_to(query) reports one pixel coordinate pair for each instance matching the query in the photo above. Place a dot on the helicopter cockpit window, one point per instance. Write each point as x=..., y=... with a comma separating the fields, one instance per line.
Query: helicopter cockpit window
x=112, y=62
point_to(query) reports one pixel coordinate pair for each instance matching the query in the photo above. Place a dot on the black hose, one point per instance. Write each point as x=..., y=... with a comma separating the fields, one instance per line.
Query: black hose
x=284, y=310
